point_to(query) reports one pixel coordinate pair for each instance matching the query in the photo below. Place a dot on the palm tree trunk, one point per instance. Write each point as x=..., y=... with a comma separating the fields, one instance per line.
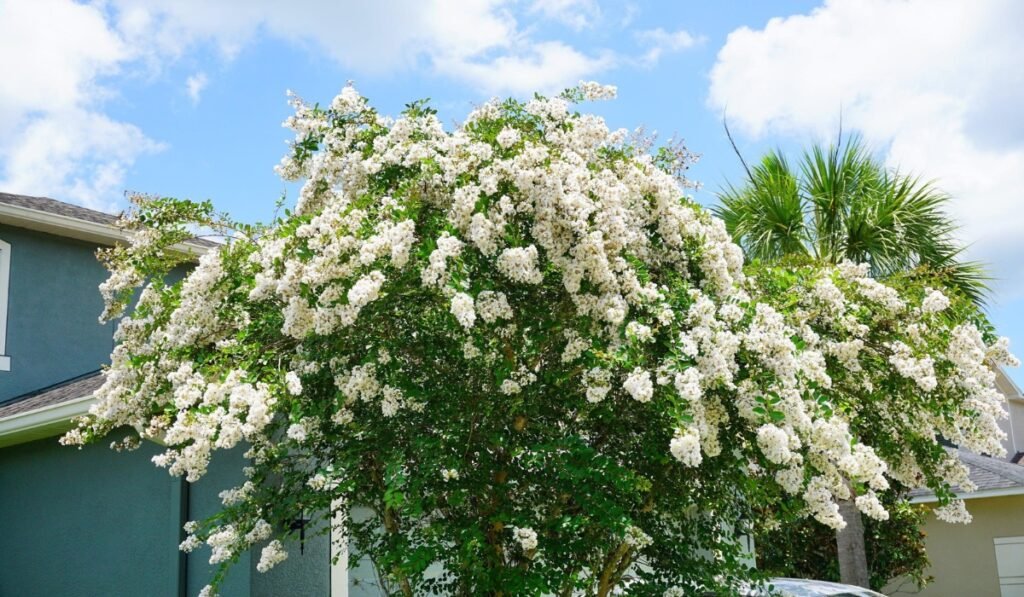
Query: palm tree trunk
x=853, y=561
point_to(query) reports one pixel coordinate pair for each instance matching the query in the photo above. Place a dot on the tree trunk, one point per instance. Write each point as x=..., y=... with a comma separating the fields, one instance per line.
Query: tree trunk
x=853, y=560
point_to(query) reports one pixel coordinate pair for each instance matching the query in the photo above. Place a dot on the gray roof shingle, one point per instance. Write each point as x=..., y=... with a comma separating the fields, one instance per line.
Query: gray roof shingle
x=60, y=208
x=986, y=472
x=65, y=391
x=992, y=473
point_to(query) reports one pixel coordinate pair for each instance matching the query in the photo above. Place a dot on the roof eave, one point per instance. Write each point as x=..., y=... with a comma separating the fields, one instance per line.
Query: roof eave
x=46, y=421
x=61, y=225
x=974, y=495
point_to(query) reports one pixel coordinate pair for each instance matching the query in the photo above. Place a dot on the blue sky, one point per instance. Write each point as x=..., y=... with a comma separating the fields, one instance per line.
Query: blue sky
x=186, y=98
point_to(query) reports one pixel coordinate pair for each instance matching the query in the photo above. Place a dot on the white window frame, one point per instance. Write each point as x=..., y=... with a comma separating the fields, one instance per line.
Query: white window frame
x=1009, y=566
x=5, y=279
x=338, y=544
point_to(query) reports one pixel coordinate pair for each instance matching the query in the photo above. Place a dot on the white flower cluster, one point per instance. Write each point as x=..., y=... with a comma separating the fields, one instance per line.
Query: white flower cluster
x=462, y=309
x=868, y=504
x=880, y=294
x=593, y=90
x=322, y=482
x=685, y=447
x=222, y=544
x=639, y=385
x=639, y=331
x=774, y=443
x=492, y=306
x=293, y=383
x=818, y=496
x=515, y=384
x=520, y=264
x=272, y=555
x=508, y=137
x=526, y=537
x=637, y=539
x=598, y=383
x=448, y=247
x=934, y=302
x=921, y=370
x=299, y=431
x=954, y=512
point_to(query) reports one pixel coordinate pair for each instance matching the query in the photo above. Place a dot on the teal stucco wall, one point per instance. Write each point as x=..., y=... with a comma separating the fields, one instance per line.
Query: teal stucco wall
x=95, y=522
x=306, y=571
x=52, y=329
x=224, y=472
x=90, y=522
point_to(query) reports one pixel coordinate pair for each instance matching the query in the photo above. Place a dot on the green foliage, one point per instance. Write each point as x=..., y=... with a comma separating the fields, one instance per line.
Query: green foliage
x=842, y=203
x=805, y=548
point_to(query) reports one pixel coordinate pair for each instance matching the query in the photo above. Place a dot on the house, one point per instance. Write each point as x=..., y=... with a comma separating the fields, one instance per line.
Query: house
x=95, y=521
x=986, y=557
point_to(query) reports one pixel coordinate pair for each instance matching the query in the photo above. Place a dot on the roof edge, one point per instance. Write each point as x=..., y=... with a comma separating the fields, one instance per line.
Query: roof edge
x=69, y=227
x=43, y=422
x=930, y=498
x=1003, y=378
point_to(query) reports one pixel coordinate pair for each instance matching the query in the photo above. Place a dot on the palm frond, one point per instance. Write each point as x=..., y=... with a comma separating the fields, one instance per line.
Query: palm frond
x=837, y=181
x=844, y=203
x=766, y=217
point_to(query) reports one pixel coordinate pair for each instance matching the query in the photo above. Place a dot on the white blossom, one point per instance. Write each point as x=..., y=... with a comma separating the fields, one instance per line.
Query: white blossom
x=954, y=512
x=774, y=443
x=298, y=431
x=462, y=309
x=597, y=382
x=526, y=537
x=639, y=385
x=272, y=555
x=508, y=137
x=593, y=90
x=637, y=538
x=519, y=264
x=492, y=306
x=685, y=447
x=293, y=383
x=934, y=301
x=869, y=504
x=641, y=332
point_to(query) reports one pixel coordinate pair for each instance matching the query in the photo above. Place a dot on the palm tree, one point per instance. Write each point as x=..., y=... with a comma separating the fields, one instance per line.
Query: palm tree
x=843, y=203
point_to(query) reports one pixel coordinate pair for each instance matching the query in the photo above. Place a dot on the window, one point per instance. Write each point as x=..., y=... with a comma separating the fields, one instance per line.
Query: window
x=1010, y=565
x=5, y=278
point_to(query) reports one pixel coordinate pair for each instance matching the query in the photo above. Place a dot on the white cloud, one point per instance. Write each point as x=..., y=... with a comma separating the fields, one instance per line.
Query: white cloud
x=53, y=50
x=194, y=86
x=547, y=67
x=53, y=139
x=576, y=14
x=74, y=155
x=629, y=13
x=937, y=82
x=477, y=41
x=659, y=42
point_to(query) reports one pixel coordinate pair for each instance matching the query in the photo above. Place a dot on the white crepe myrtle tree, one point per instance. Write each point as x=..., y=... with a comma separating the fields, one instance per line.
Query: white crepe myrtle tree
x=536, y=363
